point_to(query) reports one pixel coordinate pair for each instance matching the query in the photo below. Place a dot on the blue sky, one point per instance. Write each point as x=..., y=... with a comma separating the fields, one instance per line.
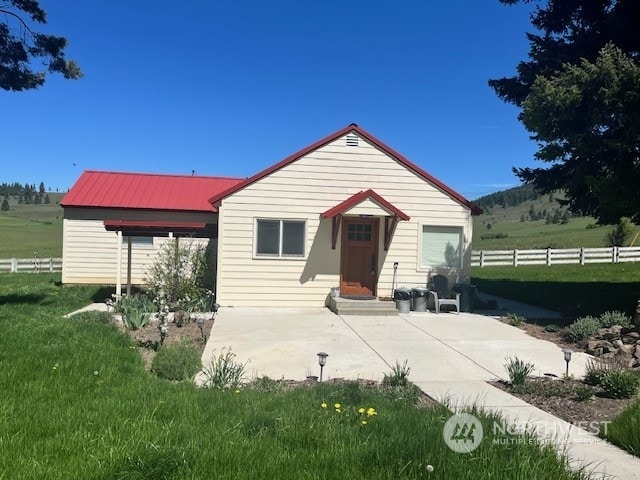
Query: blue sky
x=230, y=87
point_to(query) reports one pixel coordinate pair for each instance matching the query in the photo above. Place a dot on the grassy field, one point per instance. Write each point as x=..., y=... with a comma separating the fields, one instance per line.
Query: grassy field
x=572, y=290
x=77, y=403
x=27, y=229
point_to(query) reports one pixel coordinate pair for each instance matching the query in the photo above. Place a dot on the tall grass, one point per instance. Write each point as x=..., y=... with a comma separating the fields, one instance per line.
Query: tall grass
x=77, y=403
x=623, y=430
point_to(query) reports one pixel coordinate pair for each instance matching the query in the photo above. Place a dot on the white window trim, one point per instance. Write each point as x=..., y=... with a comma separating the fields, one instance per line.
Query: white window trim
x=430, y=268
x=279, y=256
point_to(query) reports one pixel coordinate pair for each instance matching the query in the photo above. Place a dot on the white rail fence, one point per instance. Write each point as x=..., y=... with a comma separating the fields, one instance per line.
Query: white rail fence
x=554, y=256
x=30, y=265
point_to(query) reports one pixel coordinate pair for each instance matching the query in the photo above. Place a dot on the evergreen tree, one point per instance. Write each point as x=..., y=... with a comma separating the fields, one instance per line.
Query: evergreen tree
x=41, y=188
x=5, y=205
x=47, y=200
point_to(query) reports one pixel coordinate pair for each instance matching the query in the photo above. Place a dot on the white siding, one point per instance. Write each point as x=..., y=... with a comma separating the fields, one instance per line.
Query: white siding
x=306, y=188
x=90, y=251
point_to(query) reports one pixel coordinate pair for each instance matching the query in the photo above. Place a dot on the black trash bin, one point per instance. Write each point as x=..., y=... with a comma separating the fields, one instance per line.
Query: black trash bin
x=402, y=297
x=419, y=297
x=467, y=296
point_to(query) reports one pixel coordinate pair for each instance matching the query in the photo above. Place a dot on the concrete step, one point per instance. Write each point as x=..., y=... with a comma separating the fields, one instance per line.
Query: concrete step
x=373, y=307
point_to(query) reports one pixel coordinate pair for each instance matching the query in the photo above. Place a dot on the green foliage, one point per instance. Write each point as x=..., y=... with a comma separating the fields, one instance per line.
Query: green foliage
x=267, y=384
x=584, y=393
x=396, y=384
x=5, y=205
x=224, y=371
x=623, y=430
x=175, y=278
x=518, y=370
x=515, y=320
x=21, y=48
x=620, y=384
x=135, y=310
x=493, y=236
x=582, y=329
x=399, y=376
x=508, y=198
x=621, y=233
x=581, y=117
x=181, y=318
x=180, y=361
x=609, y=319
x=552, y=328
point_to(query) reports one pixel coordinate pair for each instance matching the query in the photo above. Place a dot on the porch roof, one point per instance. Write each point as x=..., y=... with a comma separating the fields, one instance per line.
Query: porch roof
x=358, y=198
x=155, y=228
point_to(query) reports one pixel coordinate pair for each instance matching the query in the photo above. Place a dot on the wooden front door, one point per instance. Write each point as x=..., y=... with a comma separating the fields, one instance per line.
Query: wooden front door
x=359, y=256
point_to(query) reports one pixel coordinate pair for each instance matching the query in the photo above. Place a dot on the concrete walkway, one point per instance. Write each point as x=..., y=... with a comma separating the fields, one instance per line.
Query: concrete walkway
x=451, y=357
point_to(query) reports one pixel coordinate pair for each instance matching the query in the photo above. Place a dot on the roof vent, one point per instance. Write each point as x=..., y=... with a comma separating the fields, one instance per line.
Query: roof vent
x=352, y=140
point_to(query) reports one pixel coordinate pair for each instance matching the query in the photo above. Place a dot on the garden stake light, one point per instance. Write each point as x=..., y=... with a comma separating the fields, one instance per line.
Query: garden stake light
x=163, y=333
x=322, y=361
x=200, y=323
x=567, y=358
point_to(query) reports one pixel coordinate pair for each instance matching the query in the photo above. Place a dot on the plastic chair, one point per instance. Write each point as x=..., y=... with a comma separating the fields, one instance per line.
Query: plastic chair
x=439, y=288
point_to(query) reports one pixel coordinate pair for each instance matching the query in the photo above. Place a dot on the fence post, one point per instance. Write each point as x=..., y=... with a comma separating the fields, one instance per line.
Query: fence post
x=548, y=257
x=51, y=264
x=515, y=258
x=481, y=258
x=14, y=265
x=615, y=254
x=582, y=256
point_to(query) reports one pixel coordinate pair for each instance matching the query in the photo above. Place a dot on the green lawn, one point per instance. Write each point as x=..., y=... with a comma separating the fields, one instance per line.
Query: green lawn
x=77, y=403
x=572, y=290
x=27, y=229
x=534, y=235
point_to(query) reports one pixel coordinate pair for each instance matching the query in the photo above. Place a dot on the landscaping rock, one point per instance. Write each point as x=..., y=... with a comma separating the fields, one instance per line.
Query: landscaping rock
x=631, y=337
x=608, y=355
x=618, y=343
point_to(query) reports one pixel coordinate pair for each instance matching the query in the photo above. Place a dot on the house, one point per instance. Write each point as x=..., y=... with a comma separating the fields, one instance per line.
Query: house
x=347, y=212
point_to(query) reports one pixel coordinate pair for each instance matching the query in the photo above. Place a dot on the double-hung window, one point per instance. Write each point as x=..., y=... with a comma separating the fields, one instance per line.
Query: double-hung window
x=441, y=246
x=280, y=238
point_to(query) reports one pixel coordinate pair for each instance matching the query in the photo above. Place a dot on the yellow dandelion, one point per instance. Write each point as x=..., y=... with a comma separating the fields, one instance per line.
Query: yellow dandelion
x=361, y=410
x=371, y=412
x=237, y=391
x=337, y=405
x=323, y=405
x=338, y=410
x=364, y=422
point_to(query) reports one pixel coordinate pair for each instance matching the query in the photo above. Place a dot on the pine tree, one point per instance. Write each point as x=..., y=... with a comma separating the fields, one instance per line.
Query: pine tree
x=47, y=200
x=5, y=205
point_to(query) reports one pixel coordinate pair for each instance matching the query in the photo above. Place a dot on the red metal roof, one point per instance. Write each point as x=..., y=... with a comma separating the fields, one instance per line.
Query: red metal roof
x=361, y=197
x=145, y=191
x=475, y=210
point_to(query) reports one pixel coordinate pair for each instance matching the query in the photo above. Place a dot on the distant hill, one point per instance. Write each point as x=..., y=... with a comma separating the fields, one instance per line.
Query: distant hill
x=523, y=218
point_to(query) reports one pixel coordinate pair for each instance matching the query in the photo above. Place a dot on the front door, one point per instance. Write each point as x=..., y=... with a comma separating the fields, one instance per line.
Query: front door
x=359, y=257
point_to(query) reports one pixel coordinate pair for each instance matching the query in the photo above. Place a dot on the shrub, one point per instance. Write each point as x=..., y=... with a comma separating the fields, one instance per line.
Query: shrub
x=582, y=329
x=584, y=393
x=620, y=234
x=596, y=369
x=552, y=328
x=515, y=320
x=176, y=276
x=620, y=384
x=518, y=370
x=224, y=371
x=609, y=319
x=180, y=361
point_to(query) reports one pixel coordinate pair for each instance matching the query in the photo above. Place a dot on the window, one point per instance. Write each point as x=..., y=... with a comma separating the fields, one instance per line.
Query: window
x=141, y=241
x=280, y=238
x=441, y=246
